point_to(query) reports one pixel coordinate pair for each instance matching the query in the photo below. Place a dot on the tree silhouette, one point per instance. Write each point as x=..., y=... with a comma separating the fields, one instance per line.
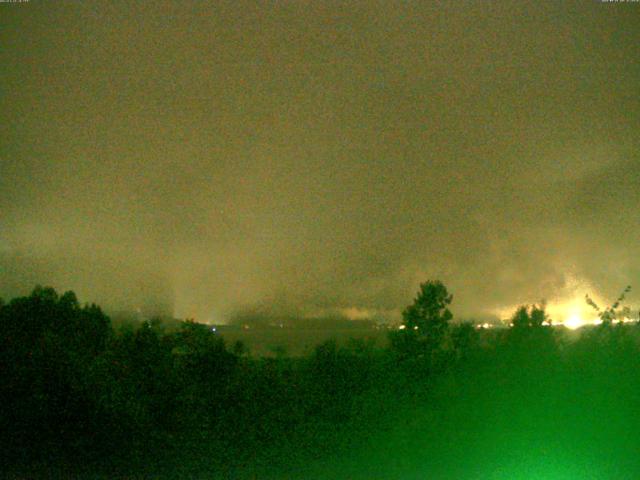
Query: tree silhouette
x=533, y=316
x=425, y=322
x=429, y=314
x=611, y=313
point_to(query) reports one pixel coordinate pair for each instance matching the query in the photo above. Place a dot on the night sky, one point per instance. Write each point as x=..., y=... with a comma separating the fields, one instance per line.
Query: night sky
x=315, y=157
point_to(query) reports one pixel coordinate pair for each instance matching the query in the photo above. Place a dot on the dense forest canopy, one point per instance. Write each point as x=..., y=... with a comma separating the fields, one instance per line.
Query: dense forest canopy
x=442, y=400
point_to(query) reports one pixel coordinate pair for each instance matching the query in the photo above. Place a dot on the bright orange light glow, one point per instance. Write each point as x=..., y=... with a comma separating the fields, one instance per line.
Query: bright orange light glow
x=571, y=310
x=574, y=321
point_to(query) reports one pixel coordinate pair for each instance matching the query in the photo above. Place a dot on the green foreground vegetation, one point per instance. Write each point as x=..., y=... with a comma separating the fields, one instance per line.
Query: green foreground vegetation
x=81, y=399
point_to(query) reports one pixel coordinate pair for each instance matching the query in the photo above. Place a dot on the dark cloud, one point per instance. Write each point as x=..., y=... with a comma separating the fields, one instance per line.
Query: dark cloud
x=318, y=155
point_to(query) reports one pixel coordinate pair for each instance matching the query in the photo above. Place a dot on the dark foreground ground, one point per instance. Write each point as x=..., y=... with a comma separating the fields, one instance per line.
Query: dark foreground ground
x=80, y=400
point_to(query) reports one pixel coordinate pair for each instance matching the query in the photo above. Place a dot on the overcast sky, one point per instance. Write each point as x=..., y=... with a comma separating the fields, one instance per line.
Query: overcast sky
x=315, y=156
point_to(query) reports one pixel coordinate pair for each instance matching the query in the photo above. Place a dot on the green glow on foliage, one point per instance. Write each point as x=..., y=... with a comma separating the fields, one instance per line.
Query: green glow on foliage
x=550, y=466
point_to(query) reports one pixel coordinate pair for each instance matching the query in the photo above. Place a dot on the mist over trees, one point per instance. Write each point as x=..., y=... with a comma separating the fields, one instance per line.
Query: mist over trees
x=83, y=399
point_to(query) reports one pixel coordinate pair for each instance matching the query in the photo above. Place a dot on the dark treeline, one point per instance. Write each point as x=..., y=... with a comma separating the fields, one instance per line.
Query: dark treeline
x=80, y=399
